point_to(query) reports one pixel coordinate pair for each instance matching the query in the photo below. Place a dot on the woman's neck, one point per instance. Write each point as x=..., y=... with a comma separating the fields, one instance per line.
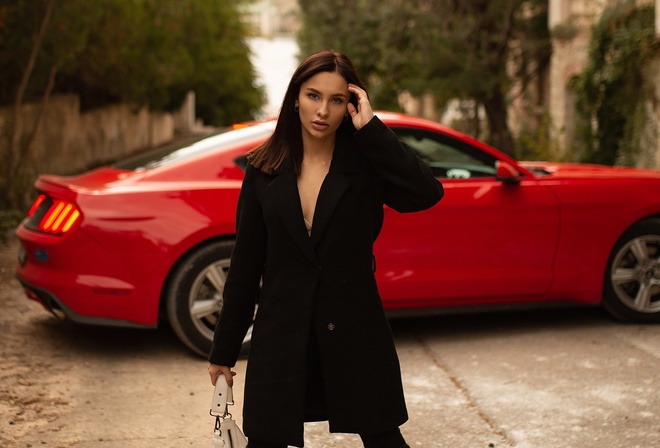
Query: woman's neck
x=318, y=150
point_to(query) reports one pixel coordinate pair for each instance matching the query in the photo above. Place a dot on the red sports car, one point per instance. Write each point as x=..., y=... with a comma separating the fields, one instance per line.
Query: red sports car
x=151, y=237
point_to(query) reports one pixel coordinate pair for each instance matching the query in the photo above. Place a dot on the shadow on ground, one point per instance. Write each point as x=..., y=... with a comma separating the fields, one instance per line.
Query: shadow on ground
x=509, y=323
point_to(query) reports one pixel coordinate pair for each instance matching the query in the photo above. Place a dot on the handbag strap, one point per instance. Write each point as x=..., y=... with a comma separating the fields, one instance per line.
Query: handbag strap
x=223, y=396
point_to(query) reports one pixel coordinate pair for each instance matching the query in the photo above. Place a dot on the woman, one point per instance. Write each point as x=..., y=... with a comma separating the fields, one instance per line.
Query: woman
x=310, y=209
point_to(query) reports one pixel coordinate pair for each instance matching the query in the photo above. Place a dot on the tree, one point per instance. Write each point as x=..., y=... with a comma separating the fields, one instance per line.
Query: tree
x=222, y=74
x=615, y=86
x=152, y=52
x=16, y=146
x=145, y=52
x=148, y=52
x=375, y=34
x=469, y=49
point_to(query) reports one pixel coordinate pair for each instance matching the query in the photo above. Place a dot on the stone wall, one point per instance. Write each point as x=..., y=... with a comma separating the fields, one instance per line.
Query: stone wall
x=69, y=141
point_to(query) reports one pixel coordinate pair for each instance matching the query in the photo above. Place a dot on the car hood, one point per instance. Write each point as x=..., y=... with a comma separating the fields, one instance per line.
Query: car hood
x=588, y=170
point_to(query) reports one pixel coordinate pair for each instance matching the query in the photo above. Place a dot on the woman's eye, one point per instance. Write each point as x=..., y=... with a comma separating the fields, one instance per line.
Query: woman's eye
x=313, y=96
x=337, y=100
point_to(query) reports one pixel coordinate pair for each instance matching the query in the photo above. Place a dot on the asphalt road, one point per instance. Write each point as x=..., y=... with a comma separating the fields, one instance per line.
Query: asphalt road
x=541, y=379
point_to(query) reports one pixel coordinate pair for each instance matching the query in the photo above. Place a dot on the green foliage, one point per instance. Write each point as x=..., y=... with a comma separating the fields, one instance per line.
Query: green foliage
x=370, y=32
x=537, y=144
x=448, y=48
x=613, y=88
x=565, y=32
x=9, y=220
x=146, y=52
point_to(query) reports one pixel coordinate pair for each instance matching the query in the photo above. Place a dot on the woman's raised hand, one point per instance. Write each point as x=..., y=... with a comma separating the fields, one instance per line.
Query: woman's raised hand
x=363, y=114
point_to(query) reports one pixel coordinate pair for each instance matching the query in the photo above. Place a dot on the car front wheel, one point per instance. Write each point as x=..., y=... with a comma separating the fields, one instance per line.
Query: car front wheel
x=194, y=295
x=632, y=283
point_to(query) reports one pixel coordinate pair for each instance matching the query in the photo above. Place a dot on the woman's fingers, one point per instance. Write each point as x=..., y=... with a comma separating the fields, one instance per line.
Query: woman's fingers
x=363, y=113
x=360, y=93
x=229, y=377
x=215, y=371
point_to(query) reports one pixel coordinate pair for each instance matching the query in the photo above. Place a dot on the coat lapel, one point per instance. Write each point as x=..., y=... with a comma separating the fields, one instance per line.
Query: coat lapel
x=336, y=183
x=284, y=193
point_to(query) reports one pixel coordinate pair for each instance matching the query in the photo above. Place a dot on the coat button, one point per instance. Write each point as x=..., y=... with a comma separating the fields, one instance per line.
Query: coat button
x=331, y=326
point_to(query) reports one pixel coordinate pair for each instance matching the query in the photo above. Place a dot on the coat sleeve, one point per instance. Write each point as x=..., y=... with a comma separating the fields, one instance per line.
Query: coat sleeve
x=408, y=182
x=242, y=284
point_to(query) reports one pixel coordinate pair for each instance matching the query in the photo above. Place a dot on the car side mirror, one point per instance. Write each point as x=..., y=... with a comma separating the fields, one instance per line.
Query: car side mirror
x=506, y=172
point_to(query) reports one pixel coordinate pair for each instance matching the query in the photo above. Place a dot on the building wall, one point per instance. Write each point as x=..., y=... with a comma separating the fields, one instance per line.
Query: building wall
x=269, y=18
x=570, y=22
x=654, y=103
x=651, y=155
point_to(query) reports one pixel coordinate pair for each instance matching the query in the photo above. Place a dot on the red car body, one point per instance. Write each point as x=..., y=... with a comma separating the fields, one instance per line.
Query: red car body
x=506, y=233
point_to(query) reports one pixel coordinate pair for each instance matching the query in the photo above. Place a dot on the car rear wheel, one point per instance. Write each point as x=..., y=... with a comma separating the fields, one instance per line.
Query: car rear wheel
x=194, y=295
x=632, y=283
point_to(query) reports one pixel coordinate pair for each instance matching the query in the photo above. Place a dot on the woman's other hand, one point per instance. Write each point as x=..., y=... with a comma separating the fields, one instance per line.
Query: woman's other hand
x=215, y=371
x=363, y=113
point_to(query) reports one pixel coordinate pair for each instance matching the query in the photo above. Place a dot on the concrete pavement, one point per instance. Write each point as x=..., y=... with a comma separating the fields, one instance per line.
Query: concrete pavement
x=542, y=379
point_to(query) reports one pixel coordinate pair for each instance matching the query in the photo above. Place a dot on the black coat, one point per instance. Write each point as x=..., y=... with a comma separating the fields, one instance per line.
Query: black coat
x=319, y=290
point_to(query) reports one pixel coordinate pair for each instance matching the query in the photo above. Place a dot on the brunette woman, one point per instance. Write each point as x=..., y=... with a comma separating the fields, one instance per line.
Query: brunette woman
x=310, y=209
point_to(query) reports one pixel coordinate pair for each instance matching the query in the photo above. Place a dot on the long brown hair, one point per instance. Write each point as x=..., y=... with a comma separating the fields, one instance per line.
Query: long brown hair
x=286, y=140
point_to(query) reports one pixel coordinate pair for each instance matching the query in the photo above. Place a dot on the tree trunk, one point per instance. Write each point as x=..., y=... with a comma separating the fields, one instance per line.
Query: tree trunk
x=25, y=150
x=498, y=127
x=15, y=149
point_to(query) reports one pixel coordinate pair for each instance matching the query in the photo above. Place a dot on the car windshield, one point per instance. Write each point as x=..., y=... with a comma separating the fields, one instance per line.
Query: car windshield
x=192, y=147
x=448, y=158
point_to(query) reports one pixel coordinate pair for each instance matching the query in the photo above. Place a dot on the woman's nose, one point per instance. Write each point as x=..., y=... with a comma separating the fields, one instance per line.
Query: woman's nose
x=323, y=110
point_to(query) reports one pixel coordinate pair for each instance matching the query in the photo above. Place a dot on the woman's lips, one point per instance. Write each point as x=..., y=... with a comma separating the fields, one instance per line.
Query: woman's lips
x=319, y=125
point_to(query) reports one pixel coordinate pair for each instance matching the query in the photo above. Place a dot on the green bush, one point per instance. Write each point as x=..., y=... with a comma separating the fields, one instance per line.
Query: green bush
x=9, y=220
x=537, y=144
x=147, y=52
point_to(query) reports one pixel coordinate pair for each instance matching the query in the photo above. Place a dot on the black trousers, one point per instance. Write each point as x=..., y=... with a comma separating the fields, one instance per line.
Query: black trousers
x=389, y=439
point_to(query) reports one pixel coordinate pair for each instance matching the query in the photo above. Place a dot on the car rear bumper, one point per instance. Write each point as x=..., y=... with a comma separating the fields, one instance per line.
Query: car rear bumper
x=60, y=310
x=76, y=277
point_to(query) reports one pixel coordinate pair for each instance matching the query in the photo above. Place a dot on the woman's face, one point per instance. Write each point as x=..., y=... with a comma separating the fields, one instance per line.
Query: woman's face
x=322, y=104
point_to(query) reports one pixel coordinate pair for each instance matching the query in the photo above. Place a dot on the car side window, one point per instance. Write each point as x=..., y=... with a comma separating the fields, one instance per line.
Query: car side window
x=448, y=158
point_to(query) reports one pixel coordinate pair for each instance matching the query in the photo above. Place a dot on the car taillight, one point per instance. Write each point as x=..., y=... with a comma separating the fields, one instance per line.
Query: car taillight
x=36, y=204
x=54, y=216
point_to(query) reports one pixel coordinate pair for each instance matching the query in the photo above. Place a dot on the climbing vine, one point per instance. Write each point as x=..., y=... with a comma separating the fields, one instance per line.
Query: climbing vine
x=613, y=89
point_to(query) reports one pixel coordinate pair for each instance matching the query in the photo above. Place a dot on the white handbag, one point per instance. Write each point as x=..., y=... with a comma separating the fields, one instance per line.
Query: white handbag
x=226, y=433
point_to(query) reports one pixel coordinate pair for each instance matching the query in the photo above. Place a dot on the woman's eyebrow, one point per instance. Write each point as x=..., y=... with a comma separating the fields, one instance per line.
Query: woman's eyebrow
x=313, y=90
